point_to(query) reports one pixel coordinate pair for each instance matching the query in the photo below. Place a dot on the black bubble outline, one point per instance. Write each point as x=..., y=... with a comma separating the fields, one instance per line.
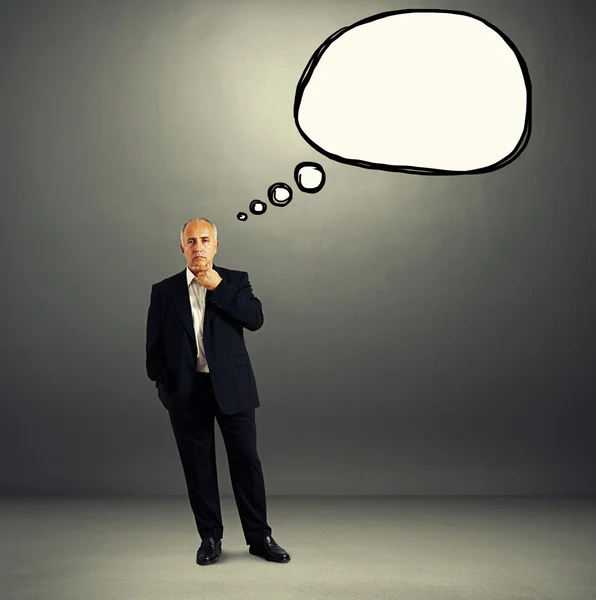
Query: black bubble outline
x=316, y=57
x=273, y=200
x=242, y=216
x=252, y=207
x=319, y=168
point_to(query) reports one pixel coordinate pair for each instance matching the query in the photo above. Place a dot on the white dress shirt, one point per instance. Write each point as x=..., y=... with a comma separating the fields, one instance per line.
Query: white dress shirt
x=196, y=293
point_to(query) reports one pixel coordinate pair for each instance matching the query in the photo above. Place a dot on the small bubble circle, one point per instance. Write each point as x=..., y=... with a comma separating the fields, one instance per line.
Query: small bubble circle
x=279, y=194
x=242, y=216
x=309, y=177
x=257, y=207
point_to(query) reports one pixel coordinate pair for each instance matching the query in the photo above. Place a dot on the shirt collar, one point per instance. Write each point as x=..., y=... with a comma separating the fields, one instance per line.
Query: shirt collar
x=189, y=277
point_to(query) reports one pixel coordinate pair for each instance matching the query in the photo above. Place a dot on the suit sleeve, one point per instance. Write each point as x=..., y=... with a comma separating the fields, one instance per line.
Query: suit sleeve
x=155, y=360
x=241, y=304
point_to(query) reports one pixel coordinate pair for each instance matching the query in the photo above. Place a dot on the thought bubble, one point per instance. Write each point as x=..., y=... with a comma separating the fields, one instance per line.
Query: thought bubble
x=309, y=177
x=427, y=92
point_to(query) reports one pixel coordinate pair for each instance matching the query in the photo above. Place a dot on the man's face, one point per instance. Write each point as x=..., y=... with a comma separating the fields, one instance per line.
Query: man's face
x=199, y=244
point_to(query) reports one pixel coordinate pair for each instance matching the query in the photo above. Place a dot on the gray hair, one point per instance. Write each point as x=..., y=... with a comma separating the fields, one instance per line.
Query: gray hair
x=197, y=219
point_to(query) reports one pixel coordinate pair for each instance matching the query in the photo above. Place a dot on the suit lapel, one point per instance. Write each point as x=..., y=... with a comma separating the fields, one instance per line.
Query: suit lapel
x=208, y=309
x=182, y=302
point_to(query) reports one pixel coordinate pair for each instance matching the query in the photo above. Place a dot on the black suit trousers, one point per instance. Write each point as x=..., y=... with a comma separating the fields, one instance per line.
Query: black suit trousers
x=193, y=427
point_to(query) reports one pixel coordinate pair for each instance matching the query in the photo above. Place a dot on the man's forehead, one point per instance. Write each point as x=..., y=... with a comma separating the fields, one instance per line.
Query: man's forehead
x=198, y=230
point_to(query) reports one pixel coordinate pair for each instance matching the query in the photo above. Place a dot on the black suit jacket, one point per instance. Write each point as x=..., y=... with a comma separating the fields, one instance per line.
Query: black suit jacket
x=171, y=349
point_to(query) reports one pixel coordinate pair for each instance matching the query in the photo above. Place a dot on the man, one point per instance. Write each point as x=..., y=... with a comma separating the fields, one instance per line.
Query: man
x=197, y=356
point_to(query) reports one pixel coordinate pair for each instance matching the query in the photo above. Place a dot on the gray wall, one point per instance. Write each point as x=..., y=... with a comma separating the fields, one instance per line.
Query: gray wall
x=422, y=334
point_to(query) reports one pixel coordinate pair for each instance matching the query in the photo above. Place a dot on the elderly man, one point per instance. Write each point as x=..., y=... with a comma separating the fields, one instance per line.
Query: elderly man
x=197, y=356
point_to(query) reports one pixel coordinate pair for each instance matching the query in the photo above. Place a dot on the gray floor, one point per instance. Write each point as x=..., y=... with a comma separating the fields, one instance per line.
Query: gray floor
x=342, y=548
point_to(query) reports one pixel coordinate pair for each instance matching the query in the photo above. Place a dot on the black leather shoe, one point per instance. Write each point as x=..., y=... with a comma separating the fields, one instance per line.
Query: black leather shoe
x=269, y=549
x=209, y=551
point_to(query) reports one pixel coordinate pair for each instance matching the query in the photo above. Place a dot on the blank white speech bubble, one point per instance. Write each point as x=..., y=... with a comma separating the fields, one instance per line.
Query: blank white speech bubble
x=417, y=91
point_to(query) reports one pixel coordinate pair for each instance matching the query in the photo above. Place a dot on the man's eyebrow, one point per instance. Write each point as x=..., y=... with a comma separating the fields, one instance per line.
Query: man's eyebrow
x=203, y=237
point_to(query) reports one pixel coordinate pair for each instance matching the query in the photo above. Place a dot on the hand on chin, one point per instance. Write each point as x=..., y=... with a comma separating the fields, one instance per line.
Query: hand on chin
x=199, y=264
